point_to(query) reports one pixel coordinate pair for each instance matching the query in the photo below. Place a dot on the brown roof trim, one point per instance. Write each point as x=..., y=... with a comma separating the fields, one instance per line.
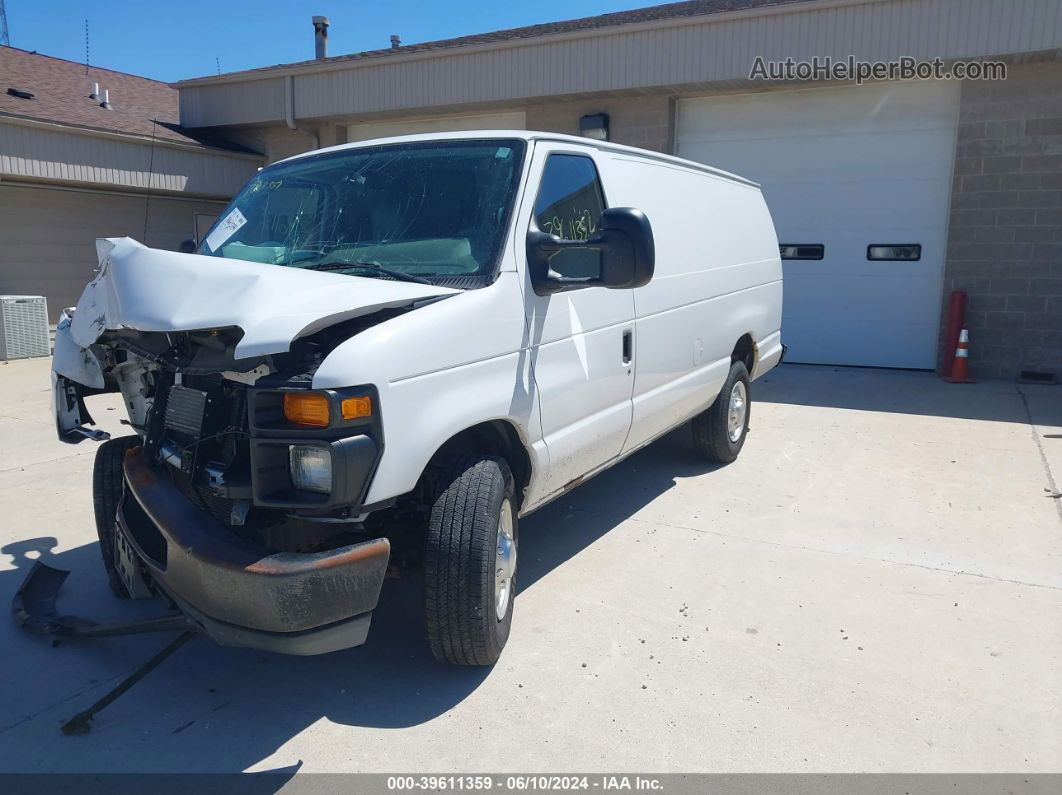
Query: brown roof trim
x=91, y=66
x=668, y=14
x=131, y=137
x=60, y=89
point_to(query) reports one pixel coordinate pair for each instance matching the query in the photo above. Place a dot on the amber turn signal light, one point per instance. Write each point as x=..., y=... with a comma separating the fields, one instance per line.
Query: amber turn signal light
x=306, y=408
x=356, y=408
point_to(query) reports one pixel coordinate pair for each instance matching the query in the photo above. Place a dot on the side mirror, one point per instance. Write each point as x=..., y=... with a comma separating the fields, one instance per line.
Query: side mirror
x=621, y=256
x=188, y=246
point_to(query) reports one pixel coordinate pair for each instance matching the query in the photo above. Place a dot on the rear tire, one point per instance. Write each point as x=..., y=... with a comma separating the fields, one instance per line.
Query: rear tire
x=470, y=562
x=719, y=431
x=107, y=479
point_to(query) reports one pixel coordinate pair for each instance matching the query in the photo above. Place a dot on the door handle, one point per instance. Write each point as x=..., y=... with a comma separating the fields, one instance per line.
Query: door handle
x=628, y=346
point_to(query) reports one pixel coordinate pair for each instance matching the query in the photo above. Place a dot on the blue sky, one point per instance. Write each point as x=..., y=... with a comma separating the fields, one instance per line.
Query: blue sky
x=170, y=40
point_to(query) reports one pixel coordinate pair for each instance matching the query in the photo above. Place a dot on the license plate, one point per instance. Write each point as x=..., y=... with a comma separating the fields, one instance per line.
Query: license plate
x=125, y=562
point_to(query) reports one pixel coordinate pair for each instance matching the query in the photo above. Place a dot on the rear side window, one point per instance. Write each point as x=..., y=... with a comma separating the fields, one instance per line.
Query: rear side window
x=570, y=200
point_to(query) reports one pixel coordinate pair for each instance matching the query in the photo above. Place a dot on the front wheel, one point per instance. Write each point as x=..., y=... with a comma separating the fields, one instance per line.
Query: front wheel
x=107, y=480
x=470, y=562
x=719, y=431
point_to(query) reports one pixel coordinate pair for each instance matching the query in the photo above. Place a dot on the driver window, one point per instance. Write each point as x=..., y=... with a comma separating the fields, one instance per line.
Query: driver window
x=570, y=200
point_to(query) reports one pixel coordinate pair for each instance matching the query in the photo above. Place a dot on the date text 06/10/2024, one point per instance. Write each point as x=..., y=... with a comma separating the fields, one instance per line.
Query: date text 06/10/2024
x=523, y=783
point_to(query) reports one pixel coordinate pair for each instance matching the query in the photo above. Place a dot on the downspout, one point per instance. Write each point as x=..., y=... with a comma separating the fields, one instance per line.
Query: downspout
x=289, y=110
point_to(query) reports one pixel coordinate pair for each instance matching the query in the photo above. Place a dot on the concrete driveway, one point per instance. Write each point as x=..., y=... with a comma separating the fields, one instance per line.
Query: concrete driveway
x=874, y=586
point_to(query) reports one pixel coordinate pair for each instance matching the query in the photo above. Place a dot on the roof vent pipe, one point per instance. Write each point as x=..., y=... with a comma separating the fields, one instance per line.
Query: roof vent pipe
x=95, y=91
x=396, y=42
x=320, y=37
x=106, y=104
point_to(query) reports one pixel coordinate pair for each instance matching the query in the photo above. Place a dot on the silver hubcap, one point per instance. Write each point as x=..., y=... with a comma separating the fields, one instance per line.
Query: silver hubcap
x=505, y=562
x=735, y=418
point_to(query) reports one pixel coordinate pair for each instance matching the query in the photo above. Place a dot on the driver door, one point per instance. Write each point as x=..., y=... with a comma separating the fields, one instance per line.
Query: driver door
x=581, y=340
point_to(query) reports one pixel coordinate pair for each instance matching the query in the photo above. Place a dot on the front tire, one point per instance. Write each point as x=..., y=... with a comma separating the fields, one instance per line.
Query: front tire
x=719, y=431
x=470, y=562
x=107, y=479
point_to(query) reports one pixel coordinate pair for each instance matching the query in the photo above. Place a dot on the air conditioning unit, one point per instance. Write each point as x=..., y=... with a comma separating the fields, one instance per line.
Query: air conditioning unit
x=23, y=327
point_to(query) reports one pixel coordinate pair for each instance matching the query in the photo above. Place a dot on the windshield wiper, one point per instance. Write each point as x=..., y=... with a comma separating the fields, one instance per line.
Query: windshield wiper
x=372, y=267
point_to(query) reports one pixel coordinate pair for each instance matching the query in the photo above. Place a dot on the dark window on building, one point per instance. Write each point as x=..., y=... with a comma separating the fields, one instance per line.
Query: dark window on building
x=902, y=252
x=801, y=250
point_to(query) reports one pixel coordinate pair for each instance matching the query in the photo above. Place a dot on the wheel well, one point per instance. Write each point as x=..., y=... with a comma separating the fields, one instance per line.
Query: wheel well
x=497, y=437
x=745, y=351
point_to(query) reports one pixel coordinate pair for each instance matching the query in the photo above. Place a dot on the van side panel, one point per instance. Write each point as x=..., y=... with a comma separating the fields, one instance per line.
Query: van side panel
x=439, y=373
x=718, y=277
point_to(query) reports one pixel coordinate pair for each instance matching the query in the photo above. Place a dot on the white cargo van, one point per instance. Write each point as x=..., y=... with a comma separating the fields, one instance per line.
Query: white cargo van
x=384, y=354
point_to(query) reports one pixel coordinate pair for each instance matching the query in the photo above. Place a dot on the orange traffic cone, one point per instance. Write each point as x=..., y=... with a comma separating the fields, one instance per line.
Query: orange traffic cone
x=960, y=366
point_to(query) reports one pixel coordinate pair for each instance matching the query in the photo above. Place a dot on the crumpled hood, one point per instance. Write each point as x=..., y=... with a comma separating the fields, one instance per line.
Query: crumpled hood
x=148, y=289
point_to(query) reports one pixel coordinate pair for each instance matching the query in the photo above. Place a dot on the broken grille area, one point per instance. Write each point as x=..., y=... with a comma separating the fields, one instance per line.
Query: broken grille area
x=204, y=443
x=203, y=496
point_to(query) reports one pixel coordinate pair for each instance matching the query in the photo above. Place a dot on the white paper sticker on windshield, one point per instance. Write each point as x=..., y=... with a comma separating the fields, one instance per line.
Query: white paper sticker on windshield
x=225, y=229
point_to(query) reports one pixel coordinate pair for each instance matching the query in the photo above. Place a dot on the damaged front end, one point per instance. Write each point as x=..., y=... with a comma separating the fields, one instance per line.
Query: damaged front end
x=247, y=515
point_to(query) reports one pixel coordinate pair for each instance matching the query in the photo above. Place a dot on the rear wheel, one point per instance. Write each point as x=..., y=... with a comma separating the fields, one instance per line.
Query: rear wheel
x=107, y=480
x=470, y=562
x=719, y=431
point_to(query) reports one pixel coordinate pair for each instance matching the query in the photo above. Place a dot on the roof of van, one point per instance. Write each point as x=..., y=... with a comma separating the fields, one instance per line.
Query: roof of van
x=531, y=135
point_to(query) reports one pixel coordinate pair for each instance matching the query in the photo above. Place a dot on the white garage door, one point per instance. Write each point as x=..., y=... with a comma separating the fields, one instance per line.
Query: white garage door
x=845, y=169
x=48, y=235
x=480, y=121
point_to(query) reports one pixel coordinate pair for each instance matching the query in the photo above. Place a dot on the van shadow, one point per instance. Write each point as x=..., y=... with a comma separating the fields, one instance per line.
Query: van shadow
x=215, y=709
x=911, y=392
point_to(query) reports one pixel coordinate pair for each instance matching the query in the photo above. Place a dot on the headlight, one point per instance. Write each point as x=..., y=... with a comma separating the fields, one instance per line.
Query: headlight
x=311, y=468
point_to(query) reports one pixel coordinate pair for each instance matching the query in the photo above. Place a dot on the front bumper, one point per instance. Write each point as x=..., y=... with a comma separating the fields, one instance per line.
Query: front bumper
x=238, y=592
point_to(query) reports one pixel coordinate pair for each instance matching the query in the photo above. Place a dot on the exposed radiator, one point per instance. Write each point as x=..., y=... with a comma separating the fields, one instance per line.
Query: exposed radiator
x=23, y=327
x=184, y=410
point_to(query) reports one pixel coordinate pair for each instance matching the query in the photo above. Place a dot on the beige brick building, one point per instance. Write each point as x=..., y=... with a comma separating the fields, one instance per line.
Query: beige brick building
x=87, y=153
x=886, y=196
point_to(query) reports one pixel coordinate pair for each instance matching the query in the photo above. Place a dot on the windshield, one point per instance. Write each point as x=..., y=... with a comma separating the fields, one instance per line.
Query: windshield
x=435, y=211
